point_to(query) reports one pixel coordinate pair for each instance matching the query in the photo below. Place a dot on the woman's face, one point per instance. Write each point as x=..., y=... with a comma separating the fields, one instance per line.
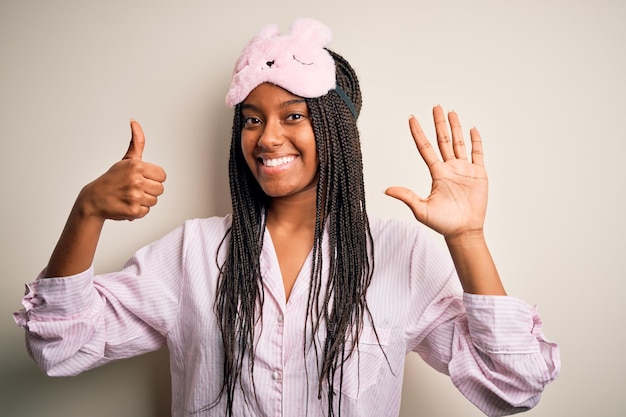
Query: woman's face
x=278, y=142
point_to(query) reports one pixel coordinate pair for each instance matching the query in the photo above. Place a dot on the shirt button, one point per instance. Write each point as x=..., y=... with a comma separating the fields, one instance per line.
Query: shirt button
x=280, y=319
x=276, y=375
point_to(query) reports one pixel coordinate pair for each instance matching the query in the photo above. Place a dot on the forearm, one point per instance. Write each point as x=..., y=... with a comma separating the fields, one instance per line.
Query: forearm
x=76, y=248
x=474, y=264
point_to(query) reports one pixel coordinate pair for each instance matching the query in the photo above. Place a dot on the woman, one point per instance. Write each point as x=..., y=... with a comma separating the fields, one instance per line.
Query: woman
x=300, y=303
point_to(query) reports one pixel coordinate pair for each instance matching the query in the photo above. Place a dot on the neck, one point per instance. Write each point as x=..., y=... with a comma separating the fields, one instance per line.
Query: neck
x=294, y=213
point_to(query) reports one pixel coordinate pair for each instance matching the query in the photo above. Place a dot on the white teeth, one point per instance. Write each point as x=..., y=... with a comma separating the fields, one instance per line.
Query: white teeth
x=278, y=161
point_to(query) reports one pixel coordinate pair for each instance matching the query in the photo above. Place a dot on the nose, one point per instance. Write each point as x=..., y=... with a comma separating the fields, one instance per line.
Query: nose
x=272, y=136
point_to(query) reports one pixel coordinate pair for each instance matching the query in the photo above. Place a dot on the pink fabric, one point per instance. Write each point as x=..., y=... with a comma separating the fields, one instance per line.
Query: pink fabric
x=492, y=347
x=296, y=62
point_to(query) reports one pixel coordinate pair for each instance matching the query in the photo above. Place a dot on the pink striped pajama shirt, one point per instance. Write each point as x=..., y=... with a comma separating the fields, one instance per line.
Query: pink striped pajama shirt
x=492, y=347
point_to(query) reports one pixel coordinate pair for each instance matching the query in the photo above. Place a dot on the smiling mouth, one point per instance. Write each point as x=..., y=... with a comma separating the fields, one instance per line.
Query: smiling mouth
x=275, y=162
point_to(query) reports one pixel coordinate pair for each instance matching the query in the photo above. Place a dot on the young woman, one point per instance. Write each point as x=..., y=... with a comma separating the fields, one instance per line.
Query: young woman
x=300, y=302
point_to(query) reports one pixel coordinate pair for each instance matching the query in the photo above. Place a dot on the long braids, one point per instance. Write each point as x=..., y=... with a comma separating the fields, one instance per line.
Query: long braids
x=340, y=210
x=240, y=288
x=341, y=193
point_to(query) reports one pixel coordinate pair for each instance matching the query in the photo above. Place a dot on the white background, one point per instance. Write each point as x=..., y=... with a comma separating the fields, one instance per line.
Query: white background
x=542, y=80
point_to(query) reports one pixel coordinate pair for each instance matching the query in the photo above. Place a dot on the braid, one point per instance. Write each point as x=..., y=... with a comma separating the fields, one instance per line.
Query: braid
x=240, y=287
x=340, y=211
x=341, y=192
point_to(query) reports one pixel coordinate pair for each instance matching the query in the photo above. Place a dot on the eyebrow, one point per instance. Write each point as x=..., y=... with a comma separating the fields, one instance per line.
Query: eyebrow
x=281, y=105
x=292, y=102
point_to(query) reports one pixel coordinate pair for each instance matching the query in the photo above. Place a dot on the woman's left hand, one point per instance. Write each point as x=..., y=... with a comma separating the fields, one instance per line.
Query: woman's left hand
x=457, y=203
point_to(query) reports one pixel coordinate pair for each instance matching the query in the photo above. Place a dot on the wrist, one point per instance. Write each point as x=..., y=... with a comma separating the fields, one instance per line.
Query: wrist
x=469, y=239
x=474, y=265
x=84, y=210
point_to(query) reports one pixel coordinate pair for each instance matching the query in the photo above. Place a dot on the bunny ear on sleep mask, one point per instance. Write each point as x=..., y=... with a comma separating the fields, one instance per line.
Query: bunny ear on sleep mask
x=296, y=62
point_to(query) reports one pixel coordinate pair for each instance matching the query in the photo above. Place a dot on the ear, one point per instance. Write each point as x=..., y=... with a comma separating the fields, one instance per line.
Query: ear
x=267, y=32
x=311, y=32
x=256, y=45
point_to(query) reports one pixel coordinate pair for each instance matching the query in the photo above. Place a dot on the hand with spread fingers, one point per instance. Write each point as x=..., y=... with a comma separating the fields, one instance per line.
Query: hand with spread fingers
x=457, y=203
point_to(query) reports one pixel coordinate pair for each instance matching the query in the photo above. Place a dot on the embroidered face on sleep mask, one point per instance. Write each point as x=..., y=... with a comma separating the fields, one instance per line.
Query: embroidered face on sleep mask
x=296, y=62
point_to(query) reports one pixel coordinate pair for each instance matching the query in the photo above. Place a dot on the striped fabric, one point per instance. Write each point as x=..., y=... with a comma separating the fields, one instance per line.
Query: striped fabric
x=492, y=347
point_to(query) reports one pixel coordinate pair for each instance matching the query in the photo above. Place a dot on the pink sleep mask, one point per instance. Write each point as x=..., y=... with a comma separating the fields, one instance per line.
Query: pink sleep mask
x=296, y=62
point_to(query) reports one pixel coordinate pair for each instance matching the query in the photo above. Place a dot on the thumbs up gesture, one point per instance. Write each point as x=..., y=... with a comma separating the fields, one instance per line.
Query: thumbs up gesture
x=128, y=189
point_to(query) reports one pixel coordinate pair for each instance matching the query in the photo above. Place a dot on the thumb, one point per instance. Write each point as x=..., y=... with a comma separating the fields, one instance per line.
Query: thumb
x=137, y=141
x=412, y=200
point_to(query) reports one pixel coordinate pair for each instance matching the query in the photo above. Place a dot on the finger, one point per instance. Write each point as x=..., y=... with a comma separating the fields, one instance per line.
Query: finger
x=140, y=213
x=149, y=200
x=421, y=142
x=140, y=207
x=477, y=147
x=153, y=172
x=137, y=141
x=443, y=136
x=412, y=200
x=153, y=188
x=458, y=143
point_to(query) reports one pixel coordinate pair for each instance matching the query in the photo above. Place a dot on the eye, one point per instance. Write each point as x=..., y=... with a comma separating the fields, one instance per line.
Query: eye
x=251, y=121
x=294, y=117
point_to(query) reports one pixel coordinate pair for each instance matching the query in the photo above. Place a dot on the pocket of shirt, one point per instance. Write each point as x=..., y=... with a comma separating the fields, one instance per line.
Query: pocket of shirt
x=363, y=368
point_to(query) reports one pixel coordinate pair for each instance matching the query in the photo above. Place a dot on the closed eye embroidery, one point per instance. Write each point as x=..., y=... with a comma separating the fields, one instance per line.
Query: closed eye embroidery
x=303, y=63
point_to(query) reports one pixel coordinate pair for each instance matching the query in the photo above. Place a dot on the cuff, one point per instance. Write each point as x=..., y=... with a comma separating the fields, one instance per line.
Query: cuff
x=53, y=298
x=502, y=324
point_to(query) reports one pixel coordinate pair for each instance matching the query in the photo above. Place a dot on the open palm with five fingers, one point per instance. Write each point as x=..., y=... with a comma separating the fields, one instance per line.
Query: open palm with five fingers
x=457, y=203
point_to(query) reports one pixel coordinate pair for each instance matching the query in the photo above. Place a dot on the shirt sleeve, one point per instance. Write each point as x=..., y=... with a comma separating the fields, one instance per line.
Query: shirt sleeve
x=493, y=347
x=501, y=360
x=83, y=321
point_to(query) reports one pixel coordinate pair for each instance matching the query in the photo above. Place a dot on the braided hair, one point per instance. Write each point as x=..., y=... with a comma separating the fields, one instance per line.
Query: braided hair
x=340, y=211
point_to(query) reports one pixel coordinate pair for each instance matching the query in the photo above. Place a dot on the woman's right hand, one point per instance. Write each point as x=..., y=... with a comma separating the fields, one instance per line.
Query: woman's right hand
x=125, y=192
x=128, y=189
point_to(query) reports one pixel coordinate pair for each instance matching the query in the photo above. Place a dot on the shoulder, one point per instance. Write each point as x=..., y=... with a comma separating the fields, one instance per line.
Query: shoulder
x=193, y=231
x=209, y=230
x=395, y=229
x=209, y=224
x=202, y=238
x=397, y=238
